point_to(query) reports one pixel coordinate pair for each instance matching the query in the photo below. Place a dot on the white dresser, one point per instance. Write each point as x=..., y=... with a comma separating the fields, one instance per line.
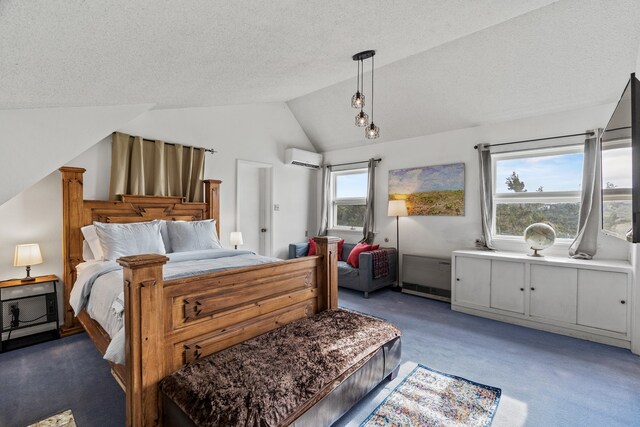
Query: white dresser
x=584, y=299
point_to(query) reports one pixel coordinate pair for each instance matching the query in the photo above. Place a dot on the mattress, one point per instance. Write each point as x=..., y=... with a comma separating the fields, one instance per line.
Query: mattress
x=99, y=286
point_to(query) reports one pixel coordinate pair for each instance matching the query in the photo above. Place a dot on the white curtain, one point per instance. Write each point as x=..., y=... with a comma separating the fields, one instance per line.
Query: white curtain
x=326, y=195
x=486, y=196
x=154, y=168
x=369, y=215
x=586, y=243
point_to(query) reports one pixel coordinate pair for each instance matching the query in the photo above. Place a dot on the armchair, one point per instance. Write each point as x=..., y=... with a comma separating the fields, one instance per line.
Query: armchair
x=359, y=279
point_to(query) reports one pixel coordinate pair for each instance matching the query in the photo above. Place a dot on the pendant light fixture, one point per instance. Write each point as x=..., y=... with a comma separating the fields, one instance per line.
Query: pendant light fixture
x=372, y=131
x=357, y=100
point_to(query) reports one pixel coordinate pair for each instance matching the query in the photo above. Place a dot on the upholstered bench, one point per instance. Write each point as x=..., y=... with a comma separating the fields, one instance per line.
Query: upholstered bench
x=308, y=372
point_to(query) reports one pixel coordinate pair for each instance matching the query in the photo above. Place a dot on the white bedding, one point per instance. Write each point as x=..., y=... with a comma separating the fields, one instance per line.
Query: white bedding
x=99, y=286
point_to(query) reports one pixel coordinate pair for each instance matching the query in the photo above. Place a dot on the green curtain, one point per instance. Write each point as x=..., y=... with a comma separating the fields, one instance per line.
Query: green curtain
x=155, y=168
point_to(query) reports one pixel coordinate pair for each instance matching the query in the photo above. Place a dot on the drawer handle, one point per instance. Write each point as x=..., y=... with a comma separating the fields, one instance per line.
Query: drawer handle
x=457, y=279
x=533, y=289
x=522, y=289
x=623, y=302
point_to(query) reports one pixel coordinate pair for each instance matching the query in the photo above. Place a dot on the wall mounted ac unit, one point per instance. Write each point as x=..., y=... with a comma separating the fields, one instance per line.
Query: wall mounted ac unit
x=308, y=159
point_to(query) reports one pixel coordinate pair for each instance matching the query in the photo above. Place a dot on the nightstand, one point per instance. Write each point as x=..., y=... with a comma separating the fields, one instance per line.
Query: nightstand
x=29, y=312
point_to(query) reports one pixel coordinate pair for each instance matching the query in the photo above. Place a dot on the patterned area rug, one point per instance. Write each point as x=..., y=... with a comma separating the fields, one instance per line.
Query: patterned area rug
x=63, y=419
x=431, y=398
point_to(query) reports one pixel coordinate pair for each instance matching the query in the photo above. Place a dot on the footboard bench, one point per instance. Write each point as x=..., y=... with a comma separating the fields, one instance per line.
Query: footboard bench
x=308, y=372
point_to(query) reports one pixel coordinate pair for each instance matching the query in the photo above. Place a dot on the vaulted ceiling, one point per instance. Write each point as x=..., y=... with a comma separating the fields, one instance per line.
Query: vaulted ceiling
x=569, y=54
x=441, y=64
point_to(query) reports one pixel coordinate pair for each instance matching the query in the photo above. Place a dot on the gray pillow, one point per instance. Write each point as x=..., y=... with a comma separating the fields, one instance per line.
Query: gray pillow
x=118, y=240
x=164, y=232
x=193, y=235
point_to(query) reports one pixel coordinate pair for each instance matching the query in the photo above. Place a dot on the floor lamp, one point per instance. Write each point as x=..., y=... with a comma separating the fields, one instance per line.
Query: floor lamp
x=397, y=208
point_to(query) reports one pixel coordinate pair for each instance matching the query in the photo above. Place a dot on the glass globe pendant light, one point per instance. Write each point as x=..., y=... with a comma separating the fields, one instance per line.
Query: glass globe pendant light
x=362, y=119
x=372, y=131
x=357, y=100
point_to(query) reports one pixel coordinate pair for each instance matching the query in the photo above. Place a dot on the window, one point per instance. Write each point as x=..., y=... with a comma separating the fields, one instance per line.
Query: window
x=349, y=190
x=616, y=187
x=537, y=186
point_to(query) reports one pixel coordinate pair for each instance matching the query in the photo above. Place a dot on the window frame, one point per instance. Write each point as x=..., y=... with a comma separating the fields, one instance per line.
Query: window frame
x=344, y=201
x=531, y=196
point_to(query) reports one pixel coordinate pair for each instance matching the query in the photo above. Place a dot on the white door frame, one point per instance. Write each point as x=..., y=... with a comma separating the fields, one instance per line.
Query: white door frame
x=269, y=200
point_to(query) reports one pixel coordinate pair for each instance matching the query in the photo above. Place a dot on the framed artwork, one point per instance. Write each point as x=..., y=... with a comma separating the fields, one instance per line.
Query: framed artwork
x=429, y=190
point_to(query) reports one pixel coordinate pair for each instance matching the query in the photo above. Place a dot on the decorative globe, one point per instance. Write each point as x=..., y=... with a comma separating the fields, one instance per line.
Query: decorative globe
x=539, y=236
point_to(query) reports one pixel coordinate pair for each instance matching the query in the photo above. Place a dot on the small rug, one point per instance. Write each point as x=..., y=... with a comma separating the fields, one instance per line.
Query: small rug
x=63, y=419
x=430, y=398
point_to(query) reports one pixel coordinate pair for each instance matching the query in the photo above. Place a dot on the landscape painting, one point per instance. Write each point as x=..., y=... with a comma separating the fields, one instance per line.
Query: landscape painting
x=429, y=190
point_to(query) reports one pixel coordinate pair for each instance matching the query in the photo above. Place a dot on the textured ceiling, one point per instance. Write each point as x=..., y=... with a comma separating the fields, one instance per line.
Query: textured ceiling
x=441, y=64
x=203, y=52
x=569, y=54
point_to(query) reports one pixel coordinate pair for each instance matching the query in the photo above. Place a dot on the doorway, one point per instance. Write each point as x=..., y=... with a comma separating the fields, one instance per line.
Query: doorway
x=254, y=182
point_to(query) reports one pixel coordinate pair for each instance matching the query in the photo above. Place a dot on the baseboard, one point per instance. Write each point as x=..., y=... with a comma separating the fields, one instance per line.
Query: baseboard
x=617, y=342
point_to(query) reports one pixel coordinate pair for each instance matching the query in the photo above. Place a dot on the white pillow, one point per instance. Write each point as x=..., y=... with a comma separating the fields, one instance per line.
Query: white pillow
x=90, y=236
x=87, y=253
x=118, y=240
x=164, y=232
x=193, y=235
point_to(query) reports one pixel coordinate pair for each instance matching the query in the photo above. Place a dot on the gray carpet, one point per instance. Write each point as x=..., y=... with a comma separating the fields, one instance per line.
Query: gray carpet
x=546, y=379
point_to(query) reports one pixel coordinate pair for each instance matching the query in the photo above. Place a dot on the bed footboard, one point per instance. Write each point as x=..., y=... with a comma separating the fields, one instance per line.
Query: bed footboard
x=171, y=323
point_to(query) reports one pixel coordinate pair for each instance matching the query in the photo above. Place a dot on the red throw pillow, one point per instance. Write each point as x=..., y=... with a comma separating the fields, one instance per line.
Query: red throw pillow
x=340, y=245
x=354, y=256
x=312, y=247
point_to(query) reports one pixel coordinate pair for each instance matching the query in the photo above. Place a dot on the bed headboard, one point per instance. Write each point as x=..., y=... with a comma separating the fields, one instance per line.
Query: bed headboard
x=77, y=212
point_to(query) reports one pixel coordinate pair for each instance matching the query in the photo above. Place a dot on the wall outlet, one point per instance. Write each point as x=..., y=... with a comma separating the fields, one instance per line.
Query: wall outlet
x=276, y=207
x=386, y=240
x=306, y=233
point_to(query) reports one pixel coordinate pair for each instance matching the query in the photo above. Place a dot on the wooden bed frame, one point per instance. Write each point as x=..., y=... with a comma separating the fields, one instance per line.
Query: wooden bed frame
x=175, y=322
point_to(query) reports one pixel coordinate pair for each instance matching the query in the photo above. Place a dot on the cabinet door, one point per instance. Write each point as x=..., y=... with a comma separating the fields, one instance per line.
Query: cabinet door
x=602, y=300
x=472, y=281
x=554, y=293
x=507, y=286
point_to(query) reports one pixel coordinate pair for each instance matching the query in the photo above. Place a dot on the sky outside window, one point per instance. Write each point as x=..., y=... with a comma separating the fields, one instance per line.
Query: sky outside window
x=351, y=185
x=616, y=167
x=553, y=173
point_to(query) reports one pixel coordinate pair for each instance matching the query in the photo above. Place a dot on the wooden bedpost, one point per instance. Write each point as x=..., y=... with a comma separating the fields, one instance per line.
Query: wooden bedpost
x=212, y=199
x=72, y=208
x=327, y=248
x=144, y=334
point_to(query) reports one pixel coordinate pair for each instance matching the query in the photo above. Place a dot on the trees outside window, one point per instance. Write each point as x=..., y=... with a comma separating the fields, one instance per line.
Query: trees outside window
x=537, y=186
x=349, y=197
x=616, y=187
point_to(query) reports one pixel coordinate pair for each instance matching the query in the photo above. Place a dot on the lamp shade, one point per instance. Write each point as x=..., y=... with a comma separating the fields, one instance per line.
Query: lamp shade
x=236, y=238
x=397, y=208
x=28, y=254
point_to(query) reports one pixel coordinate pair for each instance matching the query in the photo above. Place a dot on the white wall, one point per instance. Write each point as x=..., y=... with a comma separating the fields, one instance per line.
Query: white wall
x=39, y=140
x=439, y=235
x=250, y=132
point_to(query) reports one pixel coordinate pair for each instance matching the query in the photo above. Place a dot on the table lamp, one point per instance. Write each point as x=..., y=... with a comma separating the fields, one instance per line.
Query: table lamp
x=236, y=239
x=397, y=208
x=27, y=255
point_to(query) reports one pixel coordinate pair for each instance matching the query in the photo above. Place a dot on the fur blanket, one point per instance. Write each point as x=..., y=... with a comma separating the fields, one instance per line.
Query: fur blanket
x=266, y=380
